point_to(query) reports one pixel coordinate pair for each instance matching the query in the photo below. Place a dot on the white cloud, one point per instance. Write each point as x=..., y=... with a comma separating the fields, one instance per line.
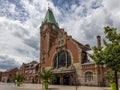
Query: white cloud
x=113, y=8
x=12, y=8
x=20, y=40
x=12, y=42
x=84, y=21
x=7, y=62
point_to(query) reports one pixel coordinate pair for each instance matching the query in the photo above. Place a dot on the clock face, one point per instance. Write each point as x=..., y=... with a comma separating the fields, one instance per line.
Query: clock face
x=44, y=27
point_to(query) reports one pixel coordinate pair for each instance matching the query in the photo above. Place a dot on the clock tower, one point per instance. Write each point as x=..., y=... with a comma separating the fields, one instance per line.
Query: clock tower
x=48, y=33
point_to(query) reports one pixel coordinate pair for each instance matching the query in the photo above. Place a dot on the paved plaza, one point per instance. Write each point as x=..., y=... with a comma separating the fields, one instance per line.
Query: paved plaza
x=11, y=86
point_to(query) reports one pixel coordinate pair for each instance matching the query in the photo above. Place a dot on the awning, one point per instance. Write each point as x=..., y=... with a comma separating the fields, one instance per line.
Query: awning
x=63, y=71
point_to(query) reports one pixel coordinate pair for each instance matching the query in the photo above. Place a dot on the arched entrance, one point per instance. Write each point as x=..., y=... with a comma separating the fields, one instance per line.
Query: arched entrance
x=66, y=79
x=57, y=81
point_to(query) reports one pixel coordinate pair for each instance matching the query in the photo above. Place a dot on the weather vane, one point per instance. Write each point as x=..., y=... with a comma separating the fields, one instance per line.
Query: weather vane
x=49, y=6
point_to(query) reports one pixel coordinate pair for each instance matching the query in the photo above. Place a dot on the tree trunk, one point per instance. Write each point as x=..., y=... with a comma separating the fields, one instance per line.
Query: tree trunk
x=116, y=80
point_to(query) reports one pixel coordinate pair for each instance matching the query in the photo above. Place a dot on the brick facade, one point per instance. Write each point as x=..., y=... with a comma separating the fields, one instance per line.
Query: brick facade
x=67, y=58
x=8, y=75
x=29, y=71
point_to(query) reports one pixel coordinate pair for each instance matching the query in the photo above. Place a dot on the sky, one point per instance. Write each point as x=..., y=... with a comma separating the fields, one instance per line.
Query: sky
x=20, y=21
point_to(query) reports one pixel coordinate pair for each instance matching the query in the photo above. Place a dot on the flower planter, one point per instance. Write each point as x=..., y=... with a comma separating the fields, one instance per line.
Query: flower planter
x=113, y=86
x=18, y=84
x=46, y=85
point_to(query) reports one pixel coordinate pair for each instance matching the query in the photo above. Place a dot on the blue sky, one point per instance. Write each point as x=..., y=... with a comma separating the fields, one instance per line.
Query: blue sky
x=20, y=21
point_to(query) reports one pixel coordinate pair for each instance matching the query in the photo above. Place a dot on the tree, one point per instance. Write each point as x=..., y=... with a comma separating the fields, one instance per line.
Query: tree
x=112, y=49
x=19, y=78
x=110, y=54
x=110, y=76
x=47, y=75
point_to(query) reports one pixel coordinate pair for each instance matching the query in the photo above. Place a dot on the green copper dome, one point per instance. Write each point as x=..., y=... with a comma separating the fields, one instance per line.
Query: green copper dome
x=49, y=18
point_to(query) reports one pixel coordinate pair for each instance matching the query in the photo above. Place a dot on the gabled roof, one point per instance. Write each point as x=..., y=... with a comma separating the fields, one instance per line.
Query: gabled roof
x=49, y=18
x=32, y=64
x=11, y=69
x=83, y=47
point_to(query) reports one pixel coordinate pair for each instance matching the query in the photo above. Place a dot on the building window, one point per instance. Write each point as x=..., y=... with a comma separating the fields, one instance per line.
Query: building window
x=62, y=59
x=33, y=71
x=68, y=59
x=55, y=62
x=88, y=76
x=62, y=41
x=84, y=57
x=43, y=69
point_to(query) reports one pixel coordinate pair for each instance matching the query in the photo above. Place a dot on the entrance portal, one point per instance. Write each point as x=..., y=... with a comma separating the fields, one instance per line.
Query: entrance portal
x=66, y=80
x=57, y=81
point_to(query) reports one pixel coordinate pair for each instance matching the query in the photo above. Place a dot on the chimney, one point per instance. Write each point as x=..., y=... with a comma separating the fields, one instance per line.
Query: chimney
x=99, y=41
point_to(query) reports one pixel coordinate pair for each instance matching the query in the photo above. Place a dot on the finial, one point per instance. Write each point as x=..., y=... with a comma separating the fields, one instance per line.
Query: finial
x=49, y=7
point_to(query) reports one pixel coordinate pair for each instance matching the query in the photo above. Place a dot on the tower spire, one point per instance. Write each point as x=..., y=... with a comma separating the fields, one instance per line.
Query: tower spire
x=49, y=17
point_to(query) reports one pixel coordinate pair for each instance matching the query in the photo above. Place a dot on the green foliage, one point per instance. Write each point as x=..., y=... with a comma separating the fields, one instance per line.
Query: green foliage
x=110, y=76
x=110, y=54
x=19, y=77
x=47, y=75
x=112, y=49
x=18, y=83
x=98, y=55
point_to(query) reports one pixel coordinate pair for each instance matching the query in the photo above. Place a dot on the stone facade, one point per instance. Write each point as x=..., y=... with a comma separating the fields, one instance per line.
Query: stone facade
x=61, y=53
x=29, y=71
x=67, y=58
x=8, y=75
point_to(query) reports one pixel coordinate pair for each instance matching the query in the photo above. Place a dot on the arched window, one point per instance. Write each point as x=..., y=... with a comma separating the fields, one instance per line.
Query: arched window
x=55, y=62
x=68, y=59
x=88, y=76
x=62, y=59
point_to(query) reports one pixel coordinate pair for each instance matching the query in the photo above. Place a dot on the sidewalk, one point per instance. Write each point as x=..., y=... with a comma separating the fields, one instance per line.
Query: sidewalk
x=62, y=87
x=55, y=87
